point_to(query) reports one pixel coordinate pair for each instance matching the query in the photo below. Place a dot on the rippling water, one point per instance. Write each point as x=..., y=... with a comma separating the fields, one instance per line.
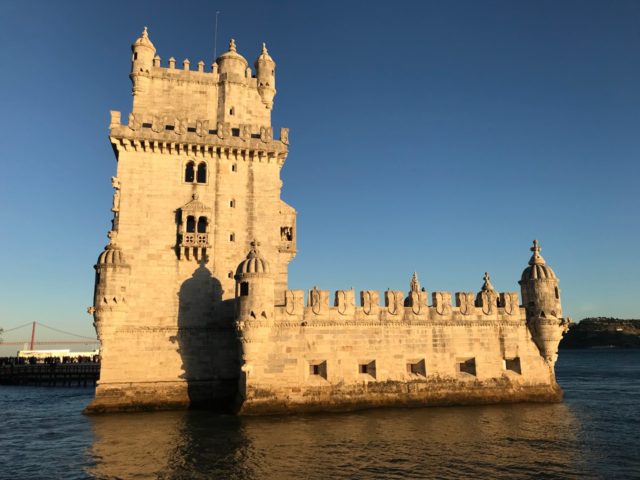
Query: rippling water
x=593, y=434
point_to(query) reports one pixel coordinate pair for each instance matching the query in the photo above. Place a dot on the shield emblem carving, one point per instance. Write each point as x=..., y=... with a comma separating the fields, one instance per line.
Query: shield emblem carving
x=289, y=303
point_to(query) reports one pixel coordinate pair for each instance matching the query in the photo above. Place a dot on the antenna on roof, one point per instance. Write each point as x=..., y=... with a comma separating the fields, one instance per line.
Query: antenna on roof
x=215, y=38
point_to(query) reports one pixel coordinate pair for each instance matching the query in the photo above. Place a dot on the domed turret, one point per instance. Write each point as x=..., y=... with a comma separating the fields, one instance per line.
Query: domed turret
x=143, y=52
x=112, y=255
x=232, y=63
x=254, y=287
x=539, y=285
x=541, y=298
x=266, y=76
x=254, y=263
x=112, y=281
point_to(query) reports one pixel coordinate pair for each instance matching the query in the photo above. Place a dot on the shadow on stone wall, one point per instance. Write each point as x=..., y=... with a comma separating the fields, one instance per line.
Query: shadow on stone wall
x=206, y=341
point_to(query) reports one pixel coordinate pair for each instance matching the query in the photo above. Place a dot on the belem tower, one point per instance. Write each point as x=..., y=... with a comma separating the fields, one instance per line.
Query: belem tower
x=191, y=304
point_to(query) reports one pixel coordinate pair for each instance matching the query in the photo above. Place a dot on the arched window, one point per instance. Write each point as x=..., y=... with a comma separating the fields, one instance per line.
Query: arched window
x=191, y=224
x=202, y=173
x=202, y=225
x=189, y=172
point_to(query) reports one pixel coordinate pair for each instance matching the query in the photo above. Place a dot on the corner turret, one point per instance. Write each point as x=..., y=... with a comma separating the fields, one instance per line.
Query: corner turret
x=266, y=75
x=541, y=299
x=142, y=55
x=112, y=281
x=254, y=288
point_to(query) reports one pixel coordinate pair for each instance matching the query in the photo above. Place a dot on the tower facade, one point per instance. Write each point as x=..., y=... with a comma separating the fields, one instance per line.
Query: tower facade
x=198, y=178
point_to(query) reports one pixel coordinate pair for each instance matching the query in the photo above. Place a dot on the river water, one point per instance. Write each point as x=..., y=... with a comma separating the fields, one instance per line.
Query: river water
x=593, y=434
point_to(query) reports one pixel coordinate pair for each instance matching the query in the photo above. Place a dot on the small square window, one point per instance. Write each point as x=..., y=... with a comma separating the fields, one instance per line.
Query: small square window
x=467, y=366
x=230, y=275
x=513, y=364
x=367, y=368
x=234, y=168
x=417, y=367
x=232, y=204
x=232, y=237
x=318, y=369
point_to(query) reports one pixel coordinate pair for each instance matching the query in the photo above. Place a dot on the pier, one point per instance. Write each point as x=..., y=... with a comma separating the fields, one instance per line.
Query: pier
x=84, y=374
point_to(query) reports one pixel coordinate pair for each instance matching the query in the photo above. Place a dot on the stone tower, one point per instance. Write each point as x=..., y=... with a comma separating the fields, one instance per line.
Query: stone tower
x=198, y=178
x=541, y=299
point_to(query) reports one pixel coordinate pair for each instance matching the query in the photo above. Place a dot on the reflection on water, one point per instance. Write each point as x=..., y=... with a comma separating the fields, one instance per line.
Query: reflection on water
x=593, y=434
x=513, y=441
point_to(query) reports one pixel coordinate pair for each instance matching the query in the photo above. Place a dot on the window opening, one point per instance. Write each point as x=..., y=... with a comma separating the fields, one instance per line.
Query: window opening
x=191, y=224
x=202, y=225
x=513, y=364
x=468, y=366
x=318, y=369
x=368, y=368
x=417, y=368
x=189, y=172
x=244, y=289
x=202, y=173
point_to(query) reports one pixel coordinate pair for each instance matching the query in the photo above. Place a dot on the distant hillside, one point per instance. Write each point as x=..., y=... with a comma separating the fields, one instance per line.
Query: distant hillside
x=603, y=332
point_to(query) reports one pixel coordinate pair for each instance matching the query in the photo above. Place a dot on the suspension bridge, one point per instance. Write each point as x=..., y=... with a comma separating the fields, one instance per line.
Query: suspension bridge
x=32, y=342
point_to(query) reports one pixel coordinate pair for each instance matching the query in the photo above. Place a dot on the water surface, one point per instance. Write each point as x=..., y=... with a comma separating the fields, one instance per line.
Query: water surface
x=593, y=434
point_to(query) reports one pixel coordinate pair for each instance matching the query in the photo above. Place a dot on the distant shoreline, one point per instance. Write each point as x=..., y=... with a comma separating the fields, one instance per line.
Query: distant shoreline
x=602, y=333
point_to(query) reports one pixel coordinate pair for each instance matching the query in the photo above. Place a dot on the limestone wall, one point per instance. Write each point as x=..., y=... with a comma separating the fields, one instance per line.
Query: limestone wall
x=186, y=92
x=321, y=357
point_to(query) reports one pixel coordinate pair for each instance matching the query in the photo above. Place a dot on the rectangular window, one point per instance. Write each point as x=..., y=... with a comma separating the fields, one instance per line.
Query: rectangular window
x=191, y=129
x=468, y=366
x=367, y=368
x=513, y=364
x=146, y=125
x=417, y=367
x=318, y=369
x=244, y=289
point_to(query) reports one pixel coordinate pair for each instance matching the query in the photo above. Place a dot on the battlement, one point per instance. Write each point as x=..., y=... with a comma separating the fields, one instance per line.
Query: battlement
x=229, y=92
x=397, y=308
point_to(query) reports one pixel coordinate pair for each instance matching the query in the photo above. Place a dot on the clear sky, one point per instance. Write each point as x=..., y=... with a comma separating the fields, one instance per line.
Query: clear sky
x=440, y=137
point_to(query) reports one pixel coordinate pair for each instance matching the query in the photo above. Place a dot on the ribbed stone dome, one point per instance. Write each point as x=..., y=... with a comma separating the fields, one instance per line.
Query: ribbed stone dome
x=143, y=40
x=254, y=263
x=231, y=61
x=112, y=255
x=537, y=269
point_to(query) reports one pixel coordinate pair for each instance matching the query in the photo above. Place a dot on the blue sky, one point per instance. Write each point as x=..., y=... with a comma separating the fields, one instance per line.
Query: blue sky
x=440, y=137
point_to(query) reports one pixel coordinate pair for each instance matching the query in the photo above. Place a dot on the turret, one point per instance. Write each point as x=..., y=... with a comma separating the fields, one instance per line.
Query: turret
x=541, y=299
x=266, y=75
x=254, y=314
x=142, y=56
x=231, y=65
x=254, y=288
x=112, y=281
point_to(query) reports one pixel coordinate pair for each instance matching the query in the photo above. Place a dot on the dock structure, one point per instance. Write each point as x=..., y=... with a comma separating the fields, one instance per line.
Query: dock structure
x=51, y=374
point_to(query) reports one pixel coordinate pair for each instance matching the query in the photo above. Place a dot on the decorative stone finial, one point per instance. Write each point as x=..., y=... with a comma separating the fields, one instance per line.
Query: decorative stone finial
x=536, y=258
x=264, y=48
x=144, y=33
x=486, y=286
x=113, y=235
x=414, y=286
x=232, y=45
